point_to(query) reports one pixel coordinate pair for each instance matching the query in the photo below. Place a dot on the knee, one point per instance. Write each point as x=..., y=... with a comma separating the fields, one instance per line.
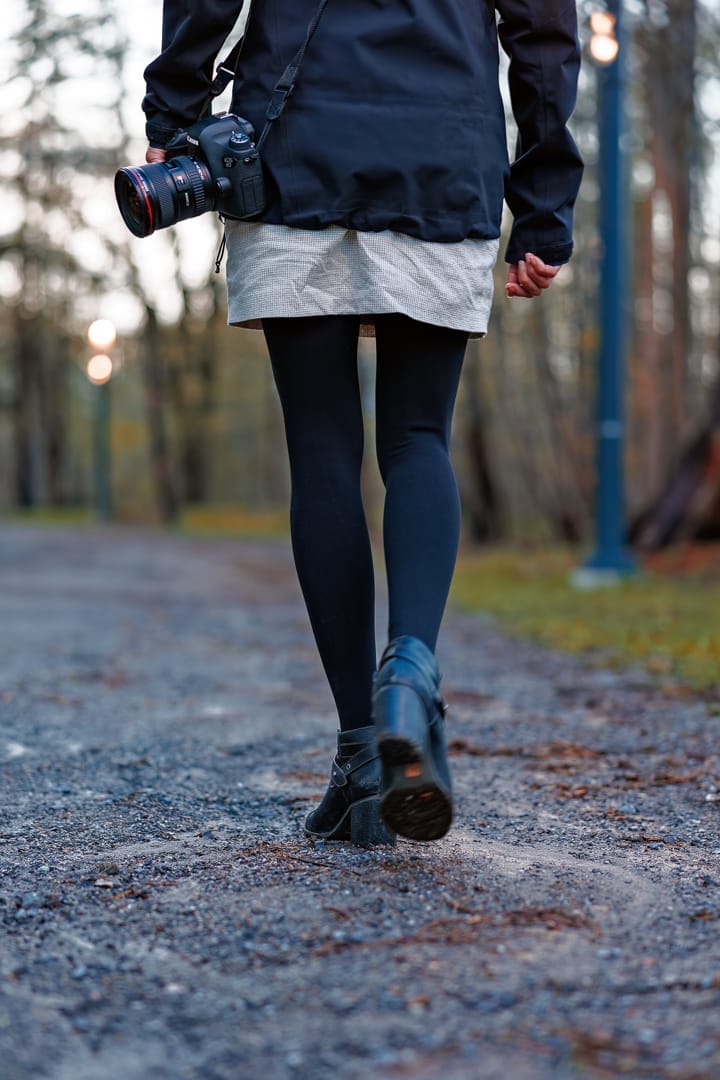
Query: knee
x=421, y=445
x=325, y=462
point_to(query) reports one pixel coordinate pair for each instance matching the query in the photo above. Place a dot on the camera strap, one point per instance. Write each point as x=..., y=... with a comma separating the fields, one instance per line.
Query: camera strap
x=283, y=88
x=282, y=91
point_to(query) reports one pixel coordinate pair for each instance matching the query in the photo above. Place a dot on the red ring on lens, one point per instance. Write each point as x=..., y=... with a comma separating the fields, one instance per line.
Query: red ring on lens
x=140, y=183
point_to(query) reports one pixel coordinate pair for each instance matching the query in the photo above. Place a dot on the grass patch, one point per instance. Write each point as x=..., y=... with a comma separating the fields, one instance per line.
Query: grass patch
x=666, y=618
x=206, y=521
x=51, y=515
x=234, y=521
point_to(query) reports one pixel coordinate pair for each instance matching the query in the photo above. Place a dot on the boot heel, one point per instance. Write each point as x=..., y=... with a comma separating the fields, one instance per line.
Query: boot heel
x=415, y=788
x=367, y=828
x=401, y=724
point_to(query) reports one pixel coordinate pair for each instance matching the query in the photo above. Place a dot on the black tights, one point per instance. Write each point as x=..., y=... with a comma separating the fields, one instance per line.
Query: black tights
x=314, y=362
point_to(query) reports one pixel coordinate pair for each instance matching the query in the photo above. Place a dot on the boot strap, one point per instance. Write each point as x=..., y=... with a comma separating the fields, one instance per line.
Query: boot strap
x=430, y=696
x=341, y=771
x=425, y=664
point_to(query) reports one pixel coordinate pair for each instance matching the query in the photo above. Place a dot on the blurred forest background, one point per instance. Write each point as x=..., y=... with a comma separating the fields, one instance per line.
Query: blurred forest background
x=194, y=418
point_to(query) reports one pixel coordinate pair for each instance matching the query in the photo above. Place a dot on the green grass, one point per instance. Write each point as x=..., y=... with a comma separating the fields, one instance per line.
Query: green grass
x=667, y=618
x=209, y=521
x=51, y=515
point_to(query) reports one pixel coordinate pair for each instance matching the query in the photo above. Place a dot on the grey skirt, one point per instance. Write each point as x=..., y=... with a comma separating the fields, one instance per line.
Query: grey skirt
x=275, y=271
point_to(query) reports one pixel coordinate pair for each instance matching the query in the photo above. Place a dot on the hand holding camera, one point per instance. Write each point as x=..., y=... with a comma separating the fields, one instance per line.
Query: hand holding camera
x=214, y=165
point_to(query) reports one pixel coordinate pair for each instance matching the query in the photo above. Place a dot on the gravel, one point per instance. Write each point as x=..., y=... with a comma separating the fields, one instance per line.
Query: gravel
x=165, y=728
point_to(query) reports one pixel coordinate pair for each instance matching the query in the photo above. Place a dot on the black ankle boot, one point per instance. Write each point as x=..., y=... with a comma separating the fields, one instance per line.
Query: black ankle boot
x=415, y=789
x=349, y=809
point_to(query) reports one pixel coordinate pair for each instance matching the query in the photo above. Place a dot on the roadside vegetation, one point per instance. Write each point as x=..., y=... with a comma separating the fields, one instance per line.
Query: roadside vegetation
x=665, y=619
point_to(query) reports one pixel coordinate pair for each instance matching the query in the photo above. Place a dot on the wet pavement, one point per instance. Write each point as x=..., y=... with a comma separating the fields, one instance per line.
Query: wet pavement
x=165, y=727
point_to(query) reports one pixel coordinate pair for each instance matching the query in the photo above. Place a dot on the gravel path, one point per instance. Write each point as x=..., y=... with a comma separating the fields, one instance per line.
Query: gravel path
x=166, y=727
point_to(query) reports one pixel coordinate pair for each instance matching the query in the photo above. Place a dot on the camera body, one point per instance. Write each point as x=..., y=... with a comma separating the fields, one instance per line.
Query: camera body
x=214, y=165
x=227, y=145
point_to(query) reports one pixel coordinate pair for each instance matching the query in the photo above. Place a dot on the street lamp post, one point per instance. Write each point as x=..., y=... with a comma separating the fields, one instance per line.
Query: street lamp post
x=611, y=560
x=101, y=334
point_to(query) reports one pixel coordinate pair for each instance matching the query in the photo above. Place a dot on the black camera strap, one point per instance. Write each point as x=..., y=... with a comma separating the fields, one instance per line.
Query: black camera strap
x=283, y=88
x=286, y=84
x=279, y=98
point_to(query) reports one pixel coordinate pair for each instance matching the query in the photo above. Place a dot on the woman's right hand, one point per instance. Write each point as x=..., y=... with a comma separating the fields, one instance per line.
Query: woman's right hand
x=529, y=277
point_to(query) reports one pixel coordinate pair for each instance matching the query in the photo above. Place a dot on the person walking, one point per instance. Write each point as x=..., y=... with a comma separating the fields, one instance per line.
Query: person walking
x=386, y=176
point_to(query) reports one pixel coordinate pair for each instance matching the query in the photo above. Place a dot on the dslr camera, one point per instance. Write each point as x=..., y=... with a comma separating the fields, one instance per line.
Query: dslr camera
x=214, y=165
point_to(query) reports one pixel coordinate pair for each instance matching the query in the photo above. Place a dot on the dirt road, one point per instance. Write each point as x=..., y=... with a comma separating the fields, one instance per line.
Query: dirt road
x=164, y=729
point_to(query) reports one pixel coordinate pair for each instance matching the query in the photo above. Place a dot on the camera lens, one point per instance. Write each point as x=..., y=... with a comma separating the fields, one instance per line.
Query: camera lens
x=161, y=194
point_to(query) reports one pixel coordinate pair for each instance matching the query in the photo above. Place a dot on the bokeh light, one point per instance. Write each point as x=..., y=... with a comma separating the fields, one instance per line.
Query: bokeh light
x=604, y=45
x=603, y=49
x=102, y=334
x=603, y=23
x=99, y=369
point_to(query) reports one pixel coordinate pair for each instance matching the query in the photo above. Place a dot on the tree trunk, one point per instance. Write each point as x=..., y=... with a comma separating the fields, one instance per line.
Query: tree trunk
x=25, y=495
x=165, y=493
x=648, y=448
x=484, y=503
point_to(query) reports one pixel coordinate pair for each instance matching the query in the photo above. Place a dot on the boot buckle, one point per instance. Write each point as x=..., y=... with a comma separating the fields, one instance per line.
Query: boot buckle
x=338, y=776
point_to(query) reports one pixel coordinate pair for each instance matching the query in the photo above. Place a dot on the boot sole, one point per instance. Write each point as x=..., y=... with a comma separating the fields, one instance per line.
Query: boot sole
x=361, y=824
x=412, y=802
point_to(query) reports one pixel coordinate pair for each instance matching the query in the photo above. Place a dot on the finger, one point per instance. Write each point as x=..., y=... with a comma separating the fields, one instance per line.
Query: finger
x=511, y=286
x=531, y=289
x=541, y=272
x=512, y=289
x=153, y=153
x=541, y=267
x=541, y=280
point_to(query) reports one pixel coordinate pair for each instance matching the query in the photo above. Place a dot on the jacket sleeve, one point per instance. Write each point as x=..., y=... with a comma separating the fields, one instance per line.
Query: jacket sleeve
x=179, y=80
x=540, y=38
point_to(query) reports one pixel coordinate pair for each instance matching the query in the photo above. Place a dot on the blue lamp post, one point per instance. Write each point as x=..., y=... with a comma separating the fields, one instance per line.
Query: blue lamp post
x=610, y=559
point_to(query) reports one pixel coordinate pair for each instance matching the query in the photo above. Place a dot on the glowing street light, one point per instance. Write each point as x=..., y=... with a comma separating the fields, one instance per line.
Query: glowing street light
x=604, y=45
x=102, y=334
x=99, y=368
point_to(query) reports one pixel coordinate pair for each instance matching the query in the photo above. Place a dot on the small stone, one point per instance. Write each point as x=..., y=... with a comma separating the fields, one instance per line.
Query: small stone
x=32, y=900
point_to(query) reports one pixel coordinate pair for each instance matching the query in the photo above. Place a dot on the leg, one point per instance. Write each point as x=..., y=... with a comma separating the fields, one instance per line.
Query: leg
x=314, y=362
x=418, y=371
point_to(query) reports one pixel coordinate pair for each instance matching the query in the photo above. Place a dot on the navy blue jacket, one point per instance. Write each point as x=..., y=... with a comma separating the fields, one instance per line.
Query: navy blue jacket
x=396, y=121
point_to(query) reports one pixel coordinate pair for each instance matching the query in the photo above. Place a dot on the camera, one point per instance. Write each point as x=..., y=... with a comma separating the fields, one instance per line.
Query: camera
x=214, y=165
